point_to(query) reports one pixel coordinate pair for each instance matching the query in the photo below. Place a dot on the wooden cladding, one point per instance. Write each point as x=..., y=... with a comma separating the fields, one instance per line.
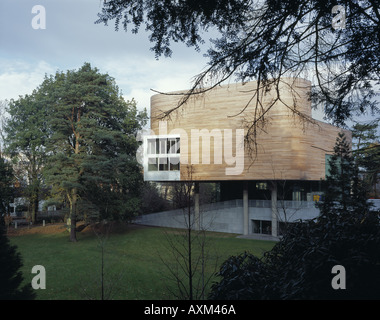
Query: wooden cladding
x=287, y=145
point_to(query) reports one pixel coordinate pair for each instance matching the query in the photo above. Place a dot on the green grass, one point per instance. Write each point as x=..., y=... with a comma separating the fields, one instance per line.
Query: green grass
x=133, y=262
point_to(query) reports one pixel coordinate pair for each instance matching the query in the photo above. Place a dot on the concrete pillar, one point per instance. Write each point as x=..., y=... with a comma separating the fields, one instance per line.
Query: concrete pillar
x=245, y=209
x=274, y=209
x=196, y=207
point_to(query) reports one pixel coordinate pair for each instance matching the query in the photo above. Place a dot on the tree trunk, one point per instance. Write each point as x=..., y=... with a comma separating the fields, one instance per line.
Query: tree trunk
x=35, y=202
x=73, y=216
x=189, y=254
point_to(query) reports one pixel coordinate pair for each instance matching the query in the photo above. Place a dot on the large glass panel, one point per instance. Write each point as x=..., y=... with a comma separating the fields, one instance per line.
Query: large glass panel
x=152, y=146
x=152, y=164
x=163, y=147
x=163, y=164
x=174, y=163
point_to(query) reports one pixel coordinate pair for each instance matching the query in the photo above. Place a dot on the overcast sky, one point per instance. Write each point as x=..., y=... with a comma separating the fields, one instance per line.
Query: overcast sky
x=71, y=38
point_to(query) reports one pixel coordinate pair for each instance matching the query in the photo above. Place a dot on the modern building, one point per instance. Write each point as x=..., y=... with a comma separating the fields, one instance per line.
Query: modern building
x=210, y=138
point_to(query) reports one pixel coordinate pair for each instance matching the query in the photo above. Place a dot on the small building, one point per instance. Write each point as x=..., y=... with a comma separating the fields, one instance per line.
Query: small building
x=210, y=138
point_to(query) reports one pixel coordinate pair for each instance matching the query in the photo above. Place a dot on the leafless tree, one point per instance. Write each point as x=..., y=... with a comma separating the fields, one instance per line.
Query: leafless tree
x=3, y=106
x=191, y=250
x=103, y=283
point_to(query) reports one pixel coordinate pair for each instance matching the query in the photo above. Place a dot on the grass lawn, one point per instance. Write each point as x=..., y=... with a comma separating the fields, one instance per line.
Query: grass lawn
x=134, y=259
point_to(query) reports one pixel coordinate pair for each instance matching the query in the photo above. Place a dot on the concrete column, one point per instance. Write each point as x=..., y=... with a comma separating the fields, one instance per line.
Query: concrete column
x=274, y=209
x=196, y=207
x=245, y=209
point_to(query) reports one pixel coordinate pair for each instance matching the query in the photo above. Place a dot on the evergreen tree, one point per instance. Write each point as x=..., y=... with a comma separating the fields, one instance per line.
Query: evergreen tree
x=92, y=145
x=367, y=153
x=11, y=277
x=6, y=190
x=363, y=135
x=268, y=40
x=26, y=136
x=371, y=164
x=344, y=190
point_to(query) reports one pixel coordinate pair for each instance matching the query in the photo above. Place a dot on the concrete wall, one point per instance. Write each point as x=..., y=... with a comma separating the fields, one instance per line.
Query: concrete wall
x=227, y=216
x=222, y=220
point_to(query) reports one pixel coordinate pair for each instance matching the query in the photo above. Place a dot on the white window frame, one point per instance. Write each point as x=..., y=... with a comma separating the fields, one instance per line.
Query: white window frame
x=161, y=155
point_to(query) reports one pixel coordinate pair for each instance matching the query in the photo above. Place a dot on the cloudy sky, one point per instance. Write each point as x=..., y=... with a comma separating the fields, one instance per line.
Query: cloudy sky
x=71, y=38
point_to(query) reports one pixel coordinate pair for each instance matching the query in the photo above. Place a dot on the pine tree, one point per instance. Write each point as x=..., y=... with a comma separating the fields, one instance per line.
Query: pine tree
x=367, y=153
x=92, y=146
x=11, y=277
x=344, y=190
x=371, y=164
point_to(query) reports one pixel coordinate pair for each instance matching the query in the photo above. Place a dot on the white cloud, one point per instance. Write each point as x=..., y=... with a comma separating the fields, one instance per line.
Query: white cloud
x=136, y=76
x=71, y=38
x=20, y=77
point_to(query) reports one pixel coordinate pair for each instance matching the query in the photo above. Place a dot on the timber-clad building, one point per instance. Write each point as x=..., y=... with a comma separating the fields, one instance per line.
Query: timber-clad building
x=205, y=141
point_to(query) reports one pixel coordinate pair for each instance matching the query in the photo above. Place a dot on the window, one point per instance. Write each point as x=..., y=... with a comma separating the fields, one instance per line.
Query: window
x=163, y=154
x=261, y=226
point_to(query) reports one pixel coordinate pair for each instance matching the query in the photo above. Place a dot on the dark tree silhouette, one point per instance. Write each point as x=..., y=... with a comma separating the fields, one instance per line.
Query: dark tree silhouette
x=11, y=277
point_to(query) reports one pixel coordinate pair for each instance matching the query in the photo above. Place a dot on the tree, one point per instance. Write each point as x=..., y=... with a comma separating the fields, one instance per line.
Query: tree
x=371, y=164
x=101, y=284
x=6, y=190
x=190, y=248
x=11, y=278
x=152, y=200
x=347, y=233
x=364, y=134
x=268, y=40
x=3, y=107
x=92, y=145
x=26, y=136
x=366, y=152
x=344, y=190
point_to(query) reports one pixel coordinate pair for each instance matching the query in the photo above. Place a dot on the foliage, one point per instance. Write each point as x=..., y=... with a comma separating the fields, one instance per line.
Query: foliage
x=344, y=191
x=299, y=266
x=11, y=277
x=174, y=21
x=6, y=189
x=242, y=277
x=152, y=200
x=91, y=145
x=371, y=164
x=26, y=136
x=364, y=134
x=367, y=153
x=268, y=40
